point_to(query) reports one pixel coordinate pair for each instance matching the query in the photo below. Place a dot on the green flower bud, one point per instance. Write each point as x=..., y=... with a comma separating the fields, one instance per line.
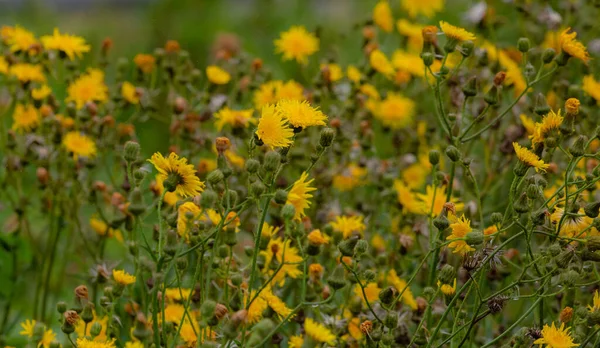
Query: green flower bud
x=521, y=206
x=548, y=55
x=252, y=166
x=362, y=246
x=327, y=136
x=208, y=199
x=61, y=307
x=523, y=44
x=533, y=192
x=87, y=315
x=257, y=188
x=391, y=320
x=492, y=96
x=453, y=153
x=337, y=279
x=592, y=209
x=467, y=48
x=131, y=151
x=272, y=161
x=428, y=293
x=578, y=148
x=496, y=218
x=288, y=212
x=427, y=58
x=208, y=308
x=563, y=259
x=236, y=279
x=96, y=329
x=434, y=157
x=388, y=295
x=137, y=206
x=541, y=105
x=470, y=88
x=280, y=196
x=570, y=278
x=346, y=247
x=474, y=238
x=447, y=274
x=215, y=177
x=539, y=217
x=441, y=222
x=181, y=263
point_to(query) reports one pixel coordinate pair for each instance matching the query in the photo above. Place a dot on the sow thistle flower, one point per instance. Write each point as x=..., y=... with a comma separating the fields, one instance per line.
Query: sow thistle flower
x=556, y=337
x=549, y=126
x=349, y=225
x=86, y=343
x=350, y=178
x=284, y=253
x=381, y=63
x=145, y=62
x=454, y=35
x=371, y=292
x=573, y=48
x=395, y=111
x=273, y=91
x=89, y=87
x=297, y=43
x=334, y=71
x=27, y=72
x=447, y=289
x=529, y=158
x=41, y=92
x=25, y=118
x=19, y=39
x=129, y=93
x=591, y=87
x=300, y=114
x=595, y=306
x=427, y=8
x=28, y=328
x=273, y=130
x=69, y=45
x=460, y=229
x=177, y=175
x=299, y=195
x=401, y=285
x=234, y=118
x=217, y=75
x=318, y=332
x=79, y=145
x=382, y=16
x=573, y=225
x=122, y=277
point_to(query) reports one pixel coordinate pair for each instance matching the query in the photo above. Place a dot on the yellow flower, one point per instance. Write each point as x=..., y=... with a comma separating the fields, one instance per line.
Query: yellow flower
x=299, y=195
x=81, y=329
x=296, y=342
x=335, y=71
x=3, y=65
x=273, y=130
x=401, y=285
x=136, y=344
x=184, y=223
x=550, y=124
x=371, y=292
x=234, y=118
x=70, y=45
x=460, y=229
x=300, y=114
x=28, y=328
x=447, y=289
x=349, y=225
x=596, y=302
x=102, y=229
x=276, y=304
x=145, y=62
x=514, y=76
x=528, y=124
x=180, y=176
x=427, y=8
x=414, y=176
x=41, y=92
x=235, y=159
x=27, y=72
x=283, y=253
x=490, y=230
x=554, y=337
x=256, y=309
x=456, y=33
x=79, y=144
x=89, y=87
x=529, y=158
x=174, y=313
x=591, y=87
x=381, y=63
x=436, y=198
x=408, y=62
x=572, y=106
x=408, y=199
x=353, y=74
x=572, y=47
x=318, y=332
x=85, y=343
x=573, y=226
x=273, y=91
x=354, y=328
x=47, y=338
x=217, y=75
x=382, y=16
x=414, y=34
x=129, y=93
x=395, y=111
x=349, y=178
x=316, y=238
x=21, y=40
x=297, y=43
x=177, y=294
x=122, y=277
x=25, y=118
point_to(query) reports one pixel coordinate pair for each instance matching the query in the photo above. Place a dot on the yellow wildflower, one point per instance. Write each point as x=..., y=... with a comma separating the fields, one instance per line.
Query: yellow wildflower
x=554, y=337
x=382, y=16
x=129, y=93
x=381, y=63
x=349, y=225
x=456, y=33
x=122, y=277
x=529, y=158
x=89, y=87
x=234, y=118
x=79, y=144
x=69, y=45
x=572, y=47
x=25, y=118
x=180, y=176
x=273, y=130
x=318, y=332
x=299, y=195
x=217, y=75
x=297, y=43
x=300, y=114
x=460, y=229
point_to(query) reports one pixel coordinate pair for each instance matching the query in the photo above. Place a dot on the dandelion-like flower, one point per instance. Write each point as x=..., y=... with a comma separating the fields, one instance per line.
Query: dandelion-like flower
x=21, y=40
x=334, y=71
x=591, y=87
x=395, y=111
x=25, y=118
x=318, y=332
x=177, y=175
x=529, y=158
x=234, y=118
x=407, y=198
x=273, y=130
x=456, y=33
x=572, y=47
x=299, y=195
x=297, y=43
x=145, y=62
x=129, y=93
x=381, y=63
x=382, y=16
x=122, y=277
x=556, y=337
x=217, y=75
x=86, y=343
x=79, y=145
x=28, y=328
x=427, y=8
x=595, y=306
x=460, y=229
x=401, y=285
x=47, y=338
x=69, y=45
x=447, y=289
x=371, y=292
x=349, y=178
x=550, y=124
x=349, y=225
x=27, y=72
x=300, y=114
x=89, y=87
x=273, y=91
x=284, y=253
x=41, y=92
x=186, y=214
x=433, y=200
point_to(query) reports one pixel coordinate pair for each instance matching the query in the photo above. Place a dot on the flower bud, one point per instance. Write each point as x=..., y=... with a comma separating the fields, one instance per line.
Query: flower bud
x=96, y=329
x=441, y=222
x=492, y=96
x=427, y=58
x=288, y=212
x=578, y=147
x=541, y=105
x=327, y=136
x=61, y=307
x=215, y=177
x=467, y=48
x=369, y=275
x=208, y=199
x=257, y=188
x=388, y=295
x=281, y=196
x=87, y=314
x=272, y=161
x=131, y=151
x=470, y=88
x=572, y=106
x=563, y=259
x=447, y=274
x=252, y=165
x=434, y=157
x=592, y=209
x=566, y=315
x=337, y=279
x=346, y=247
x=496, y=218
x=136, y=206
x=548, y=55
x=499, y=78
x=453, y=153
x=523, y=44
x=391, y=320
x=533, y=192
x=522, y=204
